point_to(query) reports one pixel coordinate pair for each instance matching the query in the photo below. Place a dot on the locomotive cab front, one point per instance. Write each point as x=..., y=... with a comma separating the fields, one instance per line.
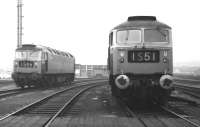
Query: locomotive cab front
x=140, y=56
x=28, y=64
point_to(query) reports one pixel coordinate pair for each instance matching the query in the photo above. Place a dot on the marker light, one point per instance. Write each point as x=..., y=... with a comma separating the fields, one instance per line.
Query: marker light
x=16, y=63
x=122, y=53
x=165, y=60
x=165, y=53
x=121, y=60
x=35, y=64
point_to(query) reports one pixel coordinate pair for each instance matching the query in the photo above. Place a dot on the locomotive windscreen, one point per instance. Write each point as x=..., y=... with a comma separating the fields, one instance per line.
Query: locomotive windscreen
x=156, y=35
x=135, y=36
x=28, y=55
x=129, y=36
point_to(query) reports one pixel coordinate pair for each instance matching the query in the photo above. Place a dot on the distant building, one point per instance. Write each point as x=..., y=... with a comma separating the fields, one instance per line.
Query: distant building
x=90, y=71
x=5, y=75
x=185, y=70
x=197, y=72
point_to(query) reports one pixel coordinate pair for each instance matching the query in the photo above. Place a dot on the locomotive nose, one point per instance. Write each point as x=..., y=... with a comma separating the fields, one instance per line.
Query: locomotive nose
x=122, y=81
x=166, y=81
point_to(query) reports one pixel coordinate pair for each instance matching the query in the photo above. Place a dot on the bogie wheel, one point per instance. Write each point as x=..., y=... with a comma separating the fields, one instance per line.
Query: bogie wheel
x=20, y=84
x=113, y=87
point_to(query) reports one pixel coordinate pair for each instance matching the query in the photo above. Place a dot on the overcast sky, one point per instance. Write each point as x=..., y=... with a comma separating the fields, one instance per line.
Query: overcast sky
x=81, y=27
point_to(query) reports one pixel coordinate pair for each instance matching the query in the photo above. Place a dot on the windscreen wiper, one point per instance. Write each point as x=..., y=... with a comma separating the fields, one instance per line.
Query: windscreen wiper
x=161, y=31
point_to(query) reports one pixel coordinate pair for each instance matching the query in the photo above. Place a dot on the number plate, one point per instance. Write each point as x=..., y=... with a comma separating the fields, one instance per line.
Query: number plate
x=143, y=56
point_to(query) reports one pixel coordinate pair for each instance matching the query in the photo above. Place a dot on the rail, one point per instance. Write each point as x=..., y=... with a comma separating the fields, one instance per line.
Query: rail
x=46, y=98
x=67, y=104
x=180, y=116
x=187, y=80
x=76, y=80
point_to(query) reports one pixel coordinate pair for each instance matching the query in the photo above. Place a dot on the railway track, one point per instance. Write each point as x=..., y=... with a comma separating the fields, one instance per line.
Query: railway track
x=6, y=93
x=156, y=115
x=10, y=92
x=193, y=91
x=180, y=119
x=46, y=111
x=76, y=81
x=188, y=86
x=183, y=80
x=51, y=106
x=194, y=124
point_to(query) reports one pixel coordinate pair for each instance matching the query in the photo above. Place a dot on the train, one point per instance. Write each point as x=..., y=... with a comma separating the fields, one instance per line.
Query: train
x=40, y=66
x=140, y=60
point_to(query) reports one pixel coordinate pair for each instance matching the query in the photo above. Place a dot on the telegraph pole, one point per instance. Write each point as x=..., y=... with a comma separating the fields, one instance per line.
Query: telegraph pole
x=19, y=23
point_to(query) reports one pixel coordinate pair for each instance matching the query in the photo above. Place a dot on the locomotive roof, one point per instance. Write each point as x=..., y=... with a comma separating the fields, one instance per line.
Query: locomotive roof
x=142, y=22
x=29, y=47
x=38, y=47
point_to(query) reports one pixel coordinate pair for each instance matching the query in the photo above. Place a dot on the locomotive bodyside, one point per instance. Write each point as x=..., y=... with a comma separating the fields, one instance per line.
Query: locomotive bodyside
x=60, y=64
x=42, y=66
x=140, y=59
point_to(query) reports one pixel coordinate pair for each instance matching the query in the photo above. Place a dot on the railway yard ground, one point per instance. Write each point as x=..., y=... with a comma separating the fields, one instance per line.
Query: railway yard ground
x=5, y=85
x=90, y=104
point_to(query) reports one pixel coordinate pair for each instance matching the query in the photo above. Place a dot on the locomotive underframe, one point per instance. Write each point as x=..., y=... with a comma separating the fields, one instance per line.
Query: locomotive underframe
x=143, y=88
x=41, y=80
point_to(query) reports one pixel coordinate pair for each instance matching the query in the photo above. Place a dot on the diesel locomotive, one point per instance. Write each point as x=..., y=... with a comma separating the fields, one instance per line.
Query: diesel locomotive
x=38, y=66
x=140, y=60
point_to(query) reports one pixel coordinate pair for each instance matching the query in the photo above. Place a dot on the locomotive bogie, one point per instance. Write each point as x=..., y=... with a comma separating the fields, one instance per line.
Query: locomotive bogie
x=142, y=89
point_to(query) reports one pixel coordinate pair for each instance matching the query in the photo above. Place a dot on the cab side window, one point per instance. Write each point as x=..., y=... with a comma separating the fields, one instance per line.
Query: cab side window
x=44, y=55
x=111, y=39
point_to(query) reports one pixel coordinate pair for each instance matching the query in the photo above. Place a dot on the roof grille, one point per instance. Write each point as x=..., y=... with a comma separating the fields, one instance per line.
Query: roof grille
x=142, y=18
x=29, y=45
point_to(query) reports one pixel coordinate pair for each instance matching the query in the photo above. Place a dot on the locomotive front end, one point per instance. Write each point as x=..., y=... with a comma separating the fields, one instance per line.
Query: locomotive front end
x=140, y=58
x=27, y=65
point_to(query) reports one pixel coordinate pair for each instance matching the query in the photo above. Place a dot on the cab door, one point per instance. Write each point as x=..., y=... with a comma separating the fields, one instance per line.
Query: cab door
x=109, y=59
x=44, y=66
